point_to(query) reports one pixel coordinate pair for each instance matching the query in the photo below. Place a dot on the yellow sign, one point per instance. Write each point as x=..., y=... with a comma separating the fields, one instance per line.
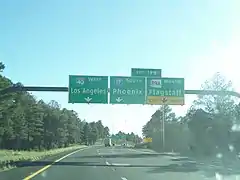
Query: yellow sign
x=158, y=100
x=147, y=140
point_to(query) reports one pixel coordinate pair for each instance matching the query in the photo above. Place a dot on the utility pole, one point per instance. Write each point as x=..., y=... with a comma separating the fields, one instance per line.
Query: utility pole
x=164, y=100
x=125, y=125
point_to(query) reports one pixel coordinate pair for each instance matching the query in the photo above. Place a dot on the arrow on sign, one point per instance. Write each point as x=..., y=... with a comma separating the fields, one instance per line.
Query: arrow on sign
x=119, y=99
x=88, y=99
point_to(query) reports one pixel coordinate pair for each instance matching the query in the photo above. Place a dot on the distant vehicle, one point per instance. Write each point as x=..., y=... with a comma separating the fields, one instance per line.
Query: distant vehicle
x=108, y=142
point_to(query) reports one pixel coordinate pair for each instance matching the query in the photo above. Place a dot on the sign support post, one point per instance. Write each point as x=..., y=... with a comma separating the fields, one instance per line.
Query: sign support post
x=164, y=100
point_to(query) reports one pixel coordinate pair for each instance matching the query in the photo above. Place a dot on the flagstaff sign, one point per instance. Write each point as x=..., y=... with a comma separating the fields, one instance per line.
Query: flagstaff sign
x=165, y=91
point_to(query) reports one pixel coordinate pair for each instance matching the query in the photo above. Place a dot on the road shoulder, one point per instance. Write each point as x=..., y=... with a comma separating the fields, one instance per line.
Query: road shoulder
x=26, y=168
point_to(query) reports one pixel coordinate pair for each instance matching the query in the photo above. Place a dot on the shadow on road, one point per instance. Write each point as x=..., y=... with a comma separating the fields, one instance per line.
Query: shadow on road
x=62, y=163
x=181, y=164
x=189, y=167
x=183, y=167
x=130, y=155
x=208, y=169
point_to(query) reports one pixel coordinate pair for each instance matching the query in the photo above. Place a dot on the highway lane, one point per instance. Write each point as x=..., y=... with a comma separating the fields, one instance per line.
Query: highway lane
x=147, y=164
x=119, y=163
x=80, y=165
x=138, y=164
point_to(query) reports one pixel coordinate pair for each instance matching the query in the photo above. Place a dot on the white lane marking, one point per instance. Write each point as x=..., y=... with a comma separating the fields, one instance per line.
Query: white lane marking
x=123, y=178
x=218, y=176
x=119, y=164
x=107, y=163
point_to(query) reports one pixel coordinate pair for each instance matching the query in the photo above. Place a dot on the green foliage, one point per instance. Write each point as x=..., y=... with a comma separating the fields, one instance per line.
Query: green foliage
x=2, y=67
x=26, y=123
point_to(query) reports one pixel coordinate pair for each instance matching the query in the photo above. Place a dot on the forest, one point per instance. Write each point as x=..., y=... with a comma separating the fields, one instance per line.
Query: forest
x=210, y=126
x=29, y=124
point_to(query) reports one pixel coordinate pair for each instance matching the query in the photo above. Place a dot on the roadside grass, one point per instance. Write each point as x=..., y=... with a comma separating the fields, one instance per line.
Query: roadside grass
x=9, y=157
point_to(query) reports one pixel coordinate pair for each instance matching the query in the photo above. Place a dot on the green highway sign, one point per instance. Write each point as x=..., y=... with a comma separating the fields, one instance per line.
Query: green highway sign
x=165, y=91
x=127, y=90
x=88, y=89
x=146, y=72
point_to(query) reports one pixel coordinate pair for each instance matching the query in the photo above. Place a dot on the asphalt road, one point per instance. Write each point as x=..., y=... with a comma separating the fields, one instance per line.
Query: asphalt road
x=119, y=163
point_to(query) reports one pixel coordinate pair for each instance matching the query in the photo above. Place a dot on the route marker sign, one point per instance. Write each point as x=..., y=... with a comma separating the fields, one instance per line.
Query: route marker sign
x=88, y=89
x=127, y=90
x=165, y=91
x=146, y=72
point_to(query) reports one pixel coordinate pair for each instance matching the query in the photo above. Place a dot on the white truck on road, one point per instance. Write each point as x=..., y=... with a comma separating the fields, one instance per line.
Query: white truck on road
x=107, y=142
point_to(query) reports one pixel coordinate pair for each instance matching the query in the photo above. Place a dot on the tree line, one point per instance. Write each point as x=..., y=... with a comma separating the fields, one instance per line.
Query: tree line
x=26, y=123
x=211, y=125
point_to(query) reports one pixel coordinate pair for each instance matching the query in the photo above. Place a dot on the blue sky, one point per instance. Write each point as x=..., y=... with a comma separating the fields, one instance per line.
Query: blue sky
x=43, y=42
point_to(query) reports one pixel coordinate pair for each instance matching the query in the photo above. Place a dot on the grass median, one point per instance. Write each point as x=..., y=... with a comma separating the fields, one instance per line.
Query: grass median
x=9, y=158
